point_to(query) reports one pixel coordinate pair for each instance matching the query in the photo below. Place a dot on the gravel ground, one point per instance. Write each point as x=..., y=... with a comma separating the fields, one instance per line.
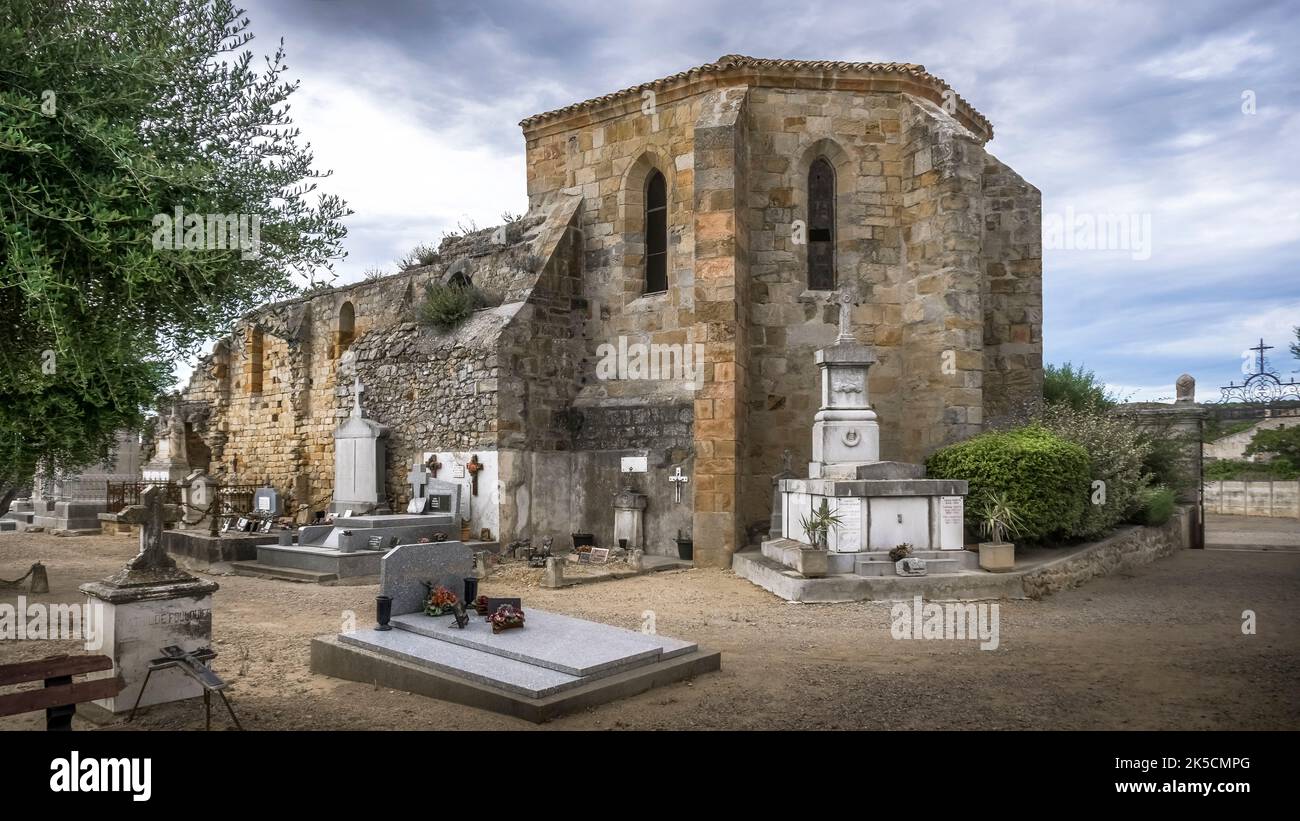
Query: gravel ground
x=1160, y=647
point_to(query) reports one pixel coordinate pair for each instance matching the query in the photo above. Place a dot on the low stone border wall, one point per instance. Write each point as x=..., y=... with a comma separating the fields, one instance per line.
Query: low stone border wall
x=1130, y=547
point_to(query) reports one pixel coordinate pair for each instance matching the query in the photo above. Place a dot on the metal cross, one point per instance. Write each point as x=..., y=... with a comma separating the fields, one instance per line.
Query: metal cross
x=434, y=465
x=678, y=479
x=1260, y=348
x=474, y=466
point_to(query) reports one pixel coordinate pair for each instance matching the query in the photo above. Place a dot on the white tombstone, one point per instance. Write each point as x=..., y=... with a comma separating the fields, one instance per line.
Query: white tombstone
x=359, y=462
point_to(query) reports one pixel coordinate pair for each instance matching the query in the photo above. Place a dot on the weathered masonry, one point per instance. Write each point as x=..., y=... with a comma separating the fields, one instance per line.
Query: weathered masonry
x=684, y=248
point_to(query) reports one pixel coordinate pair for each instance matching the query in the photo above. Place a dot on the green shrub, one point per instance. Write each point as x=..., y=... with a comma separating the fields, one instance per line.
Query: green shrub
x=1156, y=506
x=1117, y=447
x=1075, y=387
x=1043, y=477
x=447, y=305
x=418, y=257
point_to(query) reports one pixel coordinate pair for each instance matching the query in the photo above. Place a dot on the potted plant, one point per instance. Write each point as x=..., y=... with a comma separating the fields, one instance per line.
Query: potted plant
x=814, y=560
x=998, y=519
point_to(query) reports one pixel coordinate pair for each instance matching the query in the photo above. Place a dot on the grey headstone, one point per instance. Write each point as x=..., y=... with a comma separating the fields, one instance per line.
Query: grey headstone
x=404, y=570
x=267, y=500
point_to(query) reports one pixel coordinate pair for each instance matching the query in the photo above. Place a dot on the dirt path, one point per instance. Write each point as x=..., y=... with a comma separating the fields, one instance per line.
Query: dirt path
x=1160, y=647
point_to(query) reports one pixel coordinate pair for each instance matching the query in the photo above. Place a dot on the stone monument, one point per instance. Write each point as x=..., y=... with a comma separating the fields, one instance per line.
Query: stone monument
x=147, y=605
x=880, y=504
x=170, y=462
x=359, y=462
x=629, y=517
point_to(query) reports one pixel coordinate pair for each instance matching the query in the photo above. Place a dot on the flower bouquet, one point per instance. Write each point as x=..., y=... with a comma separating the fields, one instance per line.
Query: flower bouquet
x=441, y=602
x=506, y=618
x=481, y=605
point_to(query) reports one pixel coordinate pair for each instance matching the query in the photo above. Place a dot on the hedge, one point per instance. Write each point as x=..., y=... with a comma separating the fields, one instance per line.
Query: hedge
x=1044, y=477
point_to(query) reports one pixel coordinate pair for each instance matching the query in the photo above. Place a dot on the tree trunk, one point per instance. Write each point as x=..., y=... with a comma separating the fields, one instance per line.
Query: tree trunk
x=7, y=494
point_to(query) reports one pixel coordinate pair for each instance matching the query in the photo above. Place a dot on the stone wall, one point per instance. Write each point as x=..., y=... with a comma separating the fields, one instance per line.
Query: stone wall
x=1128, y=548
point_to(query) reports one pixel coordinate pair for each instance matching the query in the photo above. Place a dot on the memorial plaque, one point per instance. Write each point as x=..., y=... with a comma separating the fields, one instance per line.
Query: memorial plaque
x=599, y=555
x=848, y=536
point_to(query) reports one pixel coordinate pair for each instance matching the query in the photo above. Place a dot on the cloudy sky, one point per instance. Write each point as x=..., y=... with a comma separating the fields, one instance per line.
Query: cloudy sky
x=1181, y=117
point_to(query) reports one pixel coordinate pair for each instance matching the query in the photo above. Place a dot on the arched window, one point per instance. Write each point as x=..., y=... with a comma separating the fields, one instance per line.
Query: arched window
x=347, y=327
x=656, y=234
x=821, y=226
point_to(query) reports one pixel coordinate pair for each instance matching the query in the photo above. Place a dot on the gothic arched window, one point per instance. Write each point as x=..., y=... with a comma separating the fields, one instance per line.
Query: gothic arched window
x=656, y=234
x=347, y=328
x=821, y=226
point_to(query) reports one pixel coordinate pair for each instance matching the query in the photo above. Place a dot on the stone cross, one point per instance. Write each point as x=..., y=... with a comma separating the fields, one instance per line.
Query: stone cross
x=149, y=514
x=419, y=480
x=786, y=460
x=357, y=390
x=678, y=479
x=846, y=320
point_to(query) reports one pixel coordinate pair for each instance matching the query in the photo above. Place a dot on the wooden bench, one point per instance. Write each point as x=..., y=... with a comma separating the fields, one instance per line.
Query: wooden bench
x=60, y=695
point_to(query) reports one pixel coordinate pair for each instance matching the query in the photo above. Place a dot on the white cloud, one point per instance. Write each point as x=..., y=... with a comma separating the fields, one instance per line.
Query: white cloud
x=1209, y=58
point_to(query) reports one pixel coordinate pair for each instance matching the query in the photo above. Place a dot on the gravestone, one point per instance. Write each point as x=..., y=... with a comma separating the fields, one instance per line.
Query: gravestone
x=444, y=498
x=267, y=500
x=418, y=478
x=405, y=570
x=359, y=462
x=147, y=605
x=170, y=462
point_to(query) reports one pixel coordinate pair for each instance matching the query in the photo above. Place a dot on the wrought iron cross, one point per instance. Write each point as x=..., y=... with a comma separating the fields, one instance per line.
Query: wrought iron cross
x=474, y=466
x=434, y=465
x=1260, y=348
x=678, y=479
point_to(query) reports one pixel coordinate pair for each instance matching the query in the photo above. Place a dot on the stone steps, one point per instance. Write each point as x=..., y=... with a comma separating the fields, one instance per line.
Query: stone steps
x=284, y=574
x=934, y=565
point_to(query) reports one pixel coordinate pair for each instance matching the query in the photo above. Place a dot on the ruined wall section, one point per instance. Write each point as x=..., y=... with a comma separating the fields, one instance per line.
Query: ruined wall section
x=1012, y=265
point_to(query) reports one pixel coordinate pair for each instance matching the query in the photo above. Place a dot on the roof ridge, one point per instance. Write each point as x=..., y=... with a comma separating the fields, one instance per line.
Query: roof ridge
x=740, y=61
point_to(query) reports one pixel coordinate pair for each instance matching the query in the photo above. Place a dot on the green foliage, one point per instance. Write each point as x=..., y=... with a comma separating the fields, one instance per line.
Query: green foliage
x=418, y=257
x=1038, y=474
x=1117, y=447
x=1076, y=387
x=1282, y=444
x=113, y=114
x=820, y=523
x=998, y=518
x=1235, y=470
x=446, y=305
x=1155, y=506
x=1164, y=464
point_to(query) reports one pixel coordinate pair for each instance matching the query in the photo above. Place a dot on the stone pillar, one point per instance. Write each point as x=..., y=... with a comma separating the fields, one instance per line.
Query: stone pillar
x=721, y=322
